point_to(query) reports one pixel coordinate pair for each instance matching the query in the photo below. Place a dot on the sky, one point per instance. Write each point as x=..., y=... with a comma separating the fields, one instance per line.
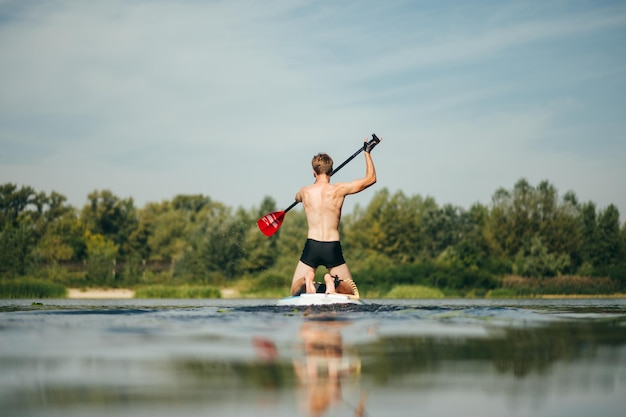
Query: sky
x=231, y=99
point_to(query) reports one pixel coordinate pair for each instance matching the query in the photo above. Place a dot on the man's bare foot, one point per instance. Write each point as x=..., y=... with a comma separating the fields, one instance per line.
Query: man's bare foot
x=310, y=285
x=330, y=284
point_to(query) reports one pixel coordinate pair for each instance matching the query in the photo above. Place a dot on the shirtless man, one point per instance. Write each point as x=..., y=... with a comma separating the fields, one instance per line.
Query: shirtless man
x=322, y=203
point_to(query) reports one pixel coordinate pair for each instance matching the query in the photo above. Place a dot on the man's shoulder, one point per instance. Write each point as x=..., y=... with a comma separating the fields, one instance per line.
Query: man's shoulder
x=341, y=187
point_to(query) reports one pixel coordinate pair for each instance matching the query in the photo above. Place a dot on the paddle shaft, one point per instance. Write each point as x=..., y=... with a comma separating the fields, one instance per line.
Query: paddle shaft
x=354, y=155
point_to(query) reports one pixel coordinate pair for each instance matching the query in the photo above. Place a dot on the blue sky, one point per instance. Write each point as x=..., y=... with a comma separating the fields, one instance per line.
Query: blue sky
x=231, y=99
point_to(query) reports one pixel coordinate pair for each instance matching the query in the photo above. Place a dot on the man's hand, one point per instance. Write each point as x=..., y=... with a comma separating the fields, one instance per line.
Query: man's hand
x=368, y=146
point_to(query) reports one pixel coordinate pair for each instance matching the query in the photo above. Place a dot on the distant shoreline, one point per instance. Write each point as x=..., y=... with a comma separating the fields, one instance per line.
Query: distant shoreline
x=126, y=293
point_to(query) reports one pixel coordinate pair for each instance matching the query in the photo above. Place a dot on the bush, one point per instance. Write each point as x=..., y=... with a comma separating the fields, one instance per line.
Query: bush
x=454, y=277
x=578, y=285
x=566, y=285
x=272, y=280
x=617, y=273
x=31, y=288
x=268, y=284
x=506, y=293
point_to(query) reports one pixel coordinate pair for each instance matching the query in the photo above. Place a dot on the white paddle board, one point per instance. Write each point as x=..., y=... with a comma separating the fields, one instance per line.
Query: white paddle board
x=318, y=299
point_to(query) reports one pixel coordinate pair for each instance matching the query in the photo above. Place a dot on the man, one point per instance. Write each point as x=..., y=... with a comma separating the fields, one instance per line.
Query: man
x=322, y=203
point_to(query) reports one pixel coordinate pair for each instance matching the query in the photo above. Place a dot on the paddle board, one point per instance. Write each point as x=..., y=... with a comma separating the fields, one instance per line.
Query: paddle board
x=318, y=299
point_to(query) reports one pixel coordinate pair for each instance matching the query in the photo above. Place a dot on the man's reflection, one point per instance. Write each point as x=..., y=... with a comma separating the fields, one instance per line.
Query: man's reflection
x=322, y=368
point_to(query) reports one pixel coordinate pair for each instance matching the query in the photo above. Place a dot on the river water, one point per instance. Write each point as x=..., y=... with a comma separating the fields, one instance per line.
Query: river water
x=249, y=358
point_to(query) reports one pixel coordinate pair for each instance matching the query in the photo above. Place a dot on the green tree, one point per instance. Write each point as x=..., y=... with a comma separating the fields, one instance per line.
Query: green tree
x=402, y=226
x=260, y=251
x=101, y=259
x=62, y=244
x=535, y=260
x=523, y=217
x=16, y=249
x=13, y=202
x=216, y=245
x=391, y=225
x=223, y=247
x=622, y=234
x=169, y=235
x=112, y=217
x=363, y=231
x=609, y=250
x=18, y=234
x=473, y=246
x=589, y=233
x=568, y=237
x=191, y=204
x=442, y=228
x=534, y=217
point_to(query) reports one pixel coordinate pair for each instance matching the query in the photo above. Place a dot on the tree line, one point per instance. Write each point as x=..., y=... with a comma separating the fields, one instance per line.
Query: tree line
x=527, y=231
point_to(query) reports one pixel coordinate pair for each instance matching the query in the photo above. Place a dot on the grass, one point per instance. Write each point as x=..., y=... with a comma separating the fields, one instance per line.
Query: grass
x=182, y=291
x=271, y=293
x=273, y=286
x=507, y=293
x=31, y=288
x=517, y=287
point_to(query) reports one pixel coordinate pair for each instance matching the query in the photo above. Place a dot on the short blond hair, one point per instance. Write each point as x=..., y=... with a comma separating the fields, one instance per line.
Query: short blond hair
x=322, y=164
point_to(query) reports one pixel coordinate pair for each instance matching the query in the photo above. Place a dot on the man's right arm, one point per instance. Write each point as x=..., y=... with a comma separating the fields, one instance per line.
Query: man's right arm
x=359, y=185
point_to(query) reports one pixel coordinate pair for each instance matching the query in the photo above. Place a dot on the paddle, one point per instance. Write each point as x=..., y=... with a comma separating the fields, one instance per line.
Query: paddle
x=270, y=223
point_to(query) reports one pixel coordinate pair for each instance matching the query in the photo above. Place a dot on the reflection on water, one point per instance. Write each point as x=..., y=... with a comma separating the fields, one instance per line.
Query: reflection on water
x=324, y=366
x=236, y=358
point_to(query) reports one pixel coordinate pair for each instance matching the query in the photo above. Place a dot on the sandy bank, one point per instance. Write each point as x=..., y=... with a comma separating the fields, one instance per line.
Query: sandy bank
x=230, y=293
x=580, y=296
x=93, y=293
x=119, y=293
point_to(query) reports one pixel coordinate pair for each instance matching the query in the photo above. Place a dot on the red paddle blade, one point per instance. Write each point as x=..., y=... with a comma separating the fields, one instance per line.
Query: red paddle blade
x=270, y=223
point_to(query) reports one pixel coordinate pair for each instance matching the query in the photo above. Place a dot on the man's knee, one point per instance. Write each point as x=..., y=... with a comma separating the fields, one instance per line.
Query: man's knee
x=298, y=286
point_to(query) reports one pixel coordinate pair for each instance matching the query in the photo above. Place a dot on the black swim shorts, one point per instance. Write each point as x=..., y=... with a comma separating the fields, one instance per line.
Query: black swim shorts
x=316, y=253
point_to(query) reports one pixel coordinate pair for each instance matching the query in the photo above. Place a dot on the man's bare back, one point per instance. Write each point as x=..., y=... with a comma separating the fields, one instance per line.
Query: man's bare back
x=322, y=205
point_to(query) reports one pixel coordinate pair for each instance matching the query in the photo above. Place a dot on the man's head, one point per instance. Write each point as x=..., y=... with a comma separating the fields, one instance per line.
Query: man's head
x=322, y=164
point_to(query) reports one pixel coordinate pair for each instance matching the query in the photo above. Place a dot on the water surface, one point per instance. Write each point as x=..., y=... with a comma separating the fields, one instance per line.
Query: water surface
x=249, y=358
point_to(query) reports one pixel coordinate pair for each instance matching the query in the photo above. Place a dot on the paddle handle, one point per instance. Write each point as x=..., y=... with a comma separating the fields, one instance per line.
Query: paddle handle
x=375, y=141
x=295, y=203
